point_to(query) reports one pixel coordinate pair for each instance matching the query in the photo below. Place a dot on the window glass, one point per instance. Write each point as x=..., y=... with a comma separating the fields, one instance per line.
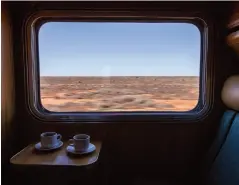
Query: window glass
x=105, y=66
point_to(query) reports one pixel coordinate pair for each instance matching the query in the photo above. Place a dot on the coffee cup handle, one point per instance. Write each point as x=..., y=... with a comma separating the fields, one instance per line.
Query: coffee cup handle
x=71, y=141
x=59, y=136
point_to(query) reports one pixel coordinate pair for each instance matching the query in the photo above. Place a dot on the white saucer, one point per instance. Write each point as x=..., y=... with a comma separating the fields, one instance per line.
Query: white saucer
x=38, y=146
x=71, y=149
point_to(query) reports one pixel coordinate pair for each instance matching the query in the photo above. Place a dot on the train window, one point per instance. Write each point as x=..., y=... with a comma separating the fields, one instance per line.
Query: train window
x=106, y=66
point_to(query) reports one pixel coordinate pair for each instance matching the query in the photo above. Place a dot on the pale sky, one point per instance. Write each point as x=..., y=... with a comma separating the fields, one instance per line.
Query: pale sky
x=119, y=49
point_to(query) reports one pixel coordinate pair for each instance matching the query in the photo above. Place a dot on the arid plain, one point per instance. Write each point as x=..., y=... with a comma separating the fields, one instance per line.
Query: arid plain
x=70, y=94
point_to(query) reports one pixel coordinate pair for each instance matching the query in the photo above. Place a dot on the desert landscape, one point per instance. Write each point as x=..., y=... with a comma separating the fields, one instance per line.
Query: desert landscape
x=79, y=94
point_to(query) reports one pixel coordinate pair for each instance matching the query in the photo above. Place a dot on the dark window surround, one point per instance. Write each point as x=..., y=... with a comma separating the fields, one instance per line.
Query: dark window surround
x=34, y=106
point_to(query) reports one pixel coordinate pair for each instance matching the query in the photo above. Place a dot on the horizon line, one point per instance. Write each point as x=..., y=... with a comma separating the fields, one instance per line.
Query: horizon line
x=120, y=76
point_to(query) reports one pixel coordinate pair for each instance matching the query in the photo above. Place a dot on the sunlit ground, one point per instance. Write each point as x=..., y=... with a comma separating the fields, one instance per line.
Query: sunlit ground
x=64, y=94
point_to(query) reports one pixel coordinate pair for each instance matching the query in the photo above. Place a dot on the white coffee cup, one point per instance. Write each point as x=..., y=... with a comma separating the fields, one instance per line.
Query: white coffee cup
x=80, y=142
x=50, y=139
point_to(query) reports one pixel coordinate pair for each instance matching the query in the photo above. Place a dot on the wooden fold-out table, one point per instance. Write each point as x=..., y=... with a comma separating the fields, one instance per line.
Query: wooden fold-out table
x=59, y=157
x=55, y=166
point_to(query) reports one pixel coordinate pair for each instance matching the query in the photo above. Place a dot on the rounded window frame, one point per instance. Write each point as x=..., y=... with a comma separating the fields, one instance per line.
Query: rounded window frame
x=34, y=106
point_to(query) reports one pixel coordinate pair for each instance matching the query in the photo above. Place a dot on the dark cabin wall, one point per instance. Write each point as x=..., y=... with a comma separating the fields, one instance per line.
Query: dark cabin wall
x=174, y=149
x=8, y=89
x=7, y=75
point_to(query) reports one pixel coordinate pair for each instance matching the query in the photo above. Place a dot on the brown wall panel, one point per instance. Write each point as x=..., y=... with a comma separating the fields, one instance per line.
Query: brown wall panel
x=8, y=90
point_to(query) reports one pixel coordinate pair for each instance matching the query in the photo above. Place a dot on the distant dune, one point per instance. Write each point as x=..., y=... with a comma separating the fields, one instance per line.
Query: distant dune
x=63, y=94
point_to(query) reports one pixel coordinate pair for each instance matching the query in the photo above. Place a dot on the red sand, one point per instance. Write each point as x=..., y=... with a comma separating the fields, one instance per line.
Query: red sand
x=63, y=94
